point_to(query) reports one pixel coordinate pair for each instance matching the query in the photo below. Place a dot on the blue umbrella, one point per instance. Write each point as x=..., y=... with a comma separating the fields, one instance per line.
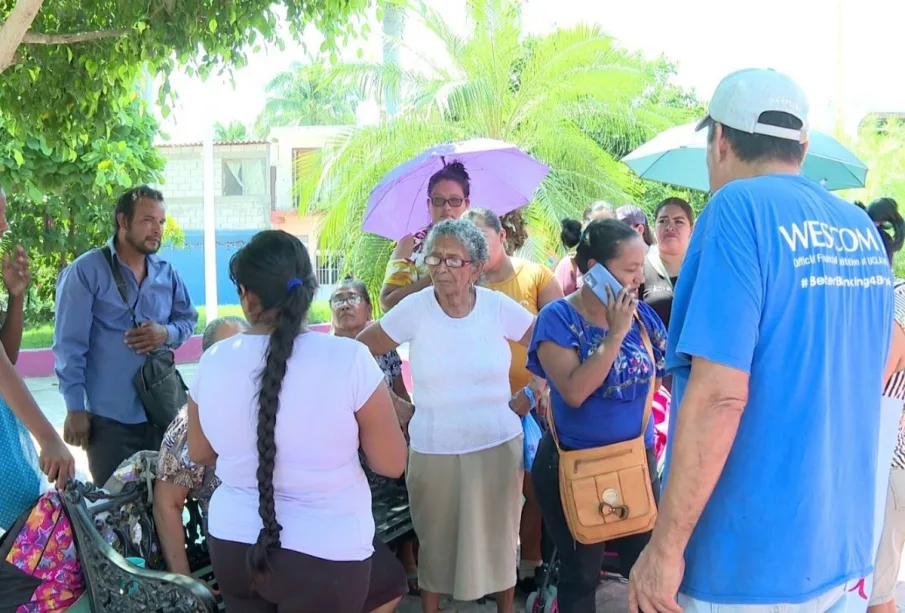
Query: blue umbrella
x=678, y=157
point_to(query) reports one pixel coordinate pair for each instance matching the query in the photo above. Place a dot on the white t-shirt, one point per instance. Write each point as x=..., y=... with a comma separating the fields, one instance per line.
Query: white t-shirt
x=460, y=370
x=322, y=497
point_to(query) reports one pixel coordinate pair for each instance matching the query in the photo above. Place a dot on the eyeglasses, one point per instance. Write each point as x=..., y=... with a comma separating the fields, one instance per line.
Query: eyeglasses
x=354, y=300
x=440, y=202
x=432, y=260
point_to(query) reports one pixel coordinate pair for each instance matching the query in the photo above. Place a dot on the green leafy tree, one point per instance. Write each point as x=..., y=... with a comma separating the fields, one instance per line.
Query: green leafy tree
x=565, y=98
x=78, y=62
x=304, y=96
x=74, y=131
x=60, y=207
x=235, y=131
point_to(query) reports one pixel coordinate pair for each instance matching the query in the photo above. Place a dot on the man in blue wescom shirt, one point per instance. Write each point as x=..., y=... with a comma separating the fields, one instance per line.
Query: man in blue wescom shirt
x=96, y=347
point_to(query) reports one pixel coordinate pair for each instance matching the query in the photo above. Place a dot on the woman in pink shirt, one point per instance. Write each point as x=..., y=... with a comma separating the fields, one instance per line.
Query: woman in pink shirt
x=566, y=271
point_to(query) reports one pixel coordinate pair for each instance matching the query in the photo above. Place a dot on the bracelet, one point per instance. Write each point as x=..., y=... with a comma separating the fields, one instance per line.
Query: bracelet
x=529, y=393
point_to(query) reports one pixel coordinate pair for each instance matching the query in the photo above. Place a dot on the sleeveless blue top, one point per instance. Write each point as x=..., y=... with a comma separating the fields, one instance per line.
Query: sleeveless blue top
x=20, y=477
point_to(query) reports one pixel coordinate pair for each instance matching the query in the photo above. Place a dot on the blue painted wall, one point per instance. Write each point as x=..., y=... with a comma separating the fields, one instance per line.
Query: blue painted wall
x=189, y=261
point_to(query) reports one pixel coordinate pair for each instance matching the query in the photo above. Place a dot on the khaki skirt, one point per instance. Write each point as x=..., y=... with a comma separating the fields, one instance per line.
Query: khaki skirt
x=466, y=511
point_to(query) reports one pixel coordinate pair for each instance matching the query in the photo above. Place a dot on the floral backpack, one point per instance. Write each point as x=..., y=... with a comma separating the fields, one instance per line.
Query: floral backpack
x=39, y=566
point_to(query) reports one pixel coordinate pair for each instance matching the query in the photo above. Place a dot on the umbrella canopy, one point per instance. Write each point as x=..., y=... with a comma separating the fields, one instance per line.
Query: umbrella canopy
x=678, y=157
x=503, y=178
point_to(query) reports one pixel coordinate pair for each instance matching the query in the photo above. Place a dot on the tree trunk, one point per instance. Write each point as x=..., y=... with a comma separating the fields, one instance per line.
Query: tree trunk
x=15, y=29
x=393, y=26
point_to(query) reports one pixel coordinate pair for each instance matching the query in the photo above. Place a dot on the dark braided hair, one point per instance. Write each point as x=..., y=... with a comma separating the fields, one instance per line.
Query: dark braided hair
x=273, y=266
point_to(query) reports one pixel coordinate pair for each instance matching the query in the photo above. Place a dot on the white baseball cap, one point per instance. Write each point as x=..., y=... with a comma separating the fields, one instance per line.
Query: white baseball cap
x=741, y=98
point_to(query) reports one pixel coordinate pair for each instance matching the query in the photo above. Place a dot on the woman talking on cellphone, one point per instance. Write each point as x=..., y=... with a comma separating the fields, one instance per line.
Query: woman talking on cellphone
x=595, y=360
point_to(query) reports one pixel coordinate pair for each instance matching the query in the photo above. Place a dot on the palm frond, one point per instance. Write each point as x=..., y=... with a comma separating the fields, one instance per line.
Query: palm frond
x=573, y=99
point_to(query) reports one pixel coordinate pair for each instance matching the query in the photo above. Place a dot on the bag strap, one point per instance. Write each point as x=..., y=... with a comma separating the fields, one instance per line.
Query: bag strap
x=649, y=403
x=120, y=281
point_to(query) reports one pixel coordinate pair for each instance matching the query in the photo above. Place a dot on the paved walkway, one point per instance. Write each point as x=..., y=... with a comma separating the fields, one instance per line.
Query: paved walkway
x=611, y=596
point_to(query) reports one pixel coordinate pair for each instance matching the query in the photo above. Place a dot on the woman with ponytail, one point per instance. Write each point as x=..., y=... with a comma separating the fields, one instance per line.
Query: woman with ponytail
x=884, y=212
x=283, y=413
x=566, y=271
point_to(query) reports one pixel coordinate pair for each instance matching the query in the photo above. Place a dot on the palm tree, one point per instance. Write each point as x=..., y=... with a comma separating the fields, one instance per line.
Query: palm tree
x=305, y=96
x=567, y=98
x=235, y=131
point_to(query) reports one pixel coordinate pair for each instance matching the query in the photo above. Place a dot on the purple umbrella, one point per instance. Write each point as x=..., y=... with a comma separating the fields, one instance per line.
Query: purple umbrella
x=503, y=178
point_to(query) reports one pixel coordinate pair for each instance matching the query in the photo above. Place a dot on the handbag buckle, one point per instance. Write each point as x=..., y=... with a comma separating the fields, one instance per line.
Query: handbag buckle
x=620, y=510
x=609, y=505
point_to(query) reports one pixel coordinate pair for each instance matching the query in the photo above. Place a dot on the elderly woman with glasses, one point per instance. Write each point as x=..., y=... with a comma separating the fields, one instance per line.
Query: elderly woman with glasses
x=465, y=467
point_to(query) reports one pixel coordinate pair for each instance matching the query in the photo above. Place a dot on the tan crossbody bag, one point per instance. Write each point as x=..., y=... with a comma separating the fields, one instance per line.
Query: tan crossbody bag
x=606, y=491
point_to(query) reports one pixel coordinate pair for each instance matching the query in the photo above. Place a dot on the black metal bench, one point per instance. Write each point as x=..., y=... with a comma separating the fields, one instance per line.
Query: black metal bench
x=120, y=526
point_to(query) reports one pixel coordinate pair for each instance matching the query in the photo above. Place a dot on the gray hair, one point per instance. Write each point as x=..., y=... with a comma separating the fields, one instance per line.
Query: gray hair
x=210, y=331
x=465, y=233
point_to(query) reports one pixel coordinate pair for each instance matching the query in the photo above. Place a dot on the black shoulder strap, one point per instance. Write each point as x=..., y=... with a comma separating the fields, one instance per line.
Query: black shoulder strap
x=120, y=281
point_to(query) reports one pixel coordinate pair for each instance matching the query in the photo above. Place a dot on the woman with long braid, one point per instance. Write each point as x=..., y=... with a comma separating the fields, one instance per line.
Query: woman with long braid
x=283, y=414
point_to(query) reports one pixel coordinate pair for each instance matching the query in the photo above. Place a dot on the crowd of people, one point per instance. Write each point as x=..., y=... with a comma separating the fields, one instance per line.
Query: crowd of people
x=763, y=334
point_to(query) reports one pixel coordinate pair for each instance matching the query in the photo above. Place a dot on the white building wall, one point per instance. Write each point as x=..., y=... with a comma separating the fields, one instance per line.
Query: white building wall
x=283, y=142
x=183, y=188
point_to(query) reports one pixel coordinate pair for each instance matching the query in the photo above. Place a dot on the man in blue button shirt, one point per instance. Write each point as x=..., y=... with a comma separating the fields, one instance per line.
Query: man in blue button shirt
x=96, y=347
x=778, y=340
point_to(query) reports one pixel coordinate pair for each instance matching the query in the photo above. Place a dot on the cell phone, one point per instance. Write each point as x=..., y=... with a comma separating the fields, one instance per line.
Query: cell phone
x=598, y=279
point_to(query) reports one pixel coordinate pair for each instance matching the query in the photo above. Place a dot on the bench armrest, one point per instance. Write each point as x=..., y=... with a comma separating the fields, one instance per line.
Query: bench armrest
x=116, y=586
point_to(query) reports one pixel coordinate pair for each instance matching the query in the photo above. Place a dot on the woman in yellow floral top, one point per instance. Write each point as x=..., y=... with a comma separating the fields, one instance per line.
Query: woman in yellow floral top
x=448, y=193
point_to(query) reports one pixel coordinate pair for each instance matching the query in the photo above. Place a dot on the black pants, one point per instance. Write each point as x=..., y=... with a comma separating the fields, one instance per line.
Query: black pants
x=111, y=442
x=579, y=570
x=299, y=583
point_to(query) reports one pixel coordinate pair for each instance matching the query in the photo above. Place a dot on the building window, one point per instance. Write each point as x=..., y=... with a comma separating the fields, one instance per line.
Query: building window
x=328, y=267
x=244, y=177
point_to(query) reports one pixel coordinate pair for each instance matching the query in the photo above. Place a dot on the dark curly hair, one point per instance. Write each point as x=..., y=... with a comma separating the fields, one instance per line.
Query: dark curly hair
x=273, y=266
x=516, y=230
x=513, y=223
x=454, y=171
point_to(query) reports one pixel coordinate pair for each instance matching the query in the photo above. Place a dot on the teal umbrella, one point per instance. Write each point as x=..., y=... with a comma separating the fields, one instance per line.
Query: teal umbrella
x=678, y=157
